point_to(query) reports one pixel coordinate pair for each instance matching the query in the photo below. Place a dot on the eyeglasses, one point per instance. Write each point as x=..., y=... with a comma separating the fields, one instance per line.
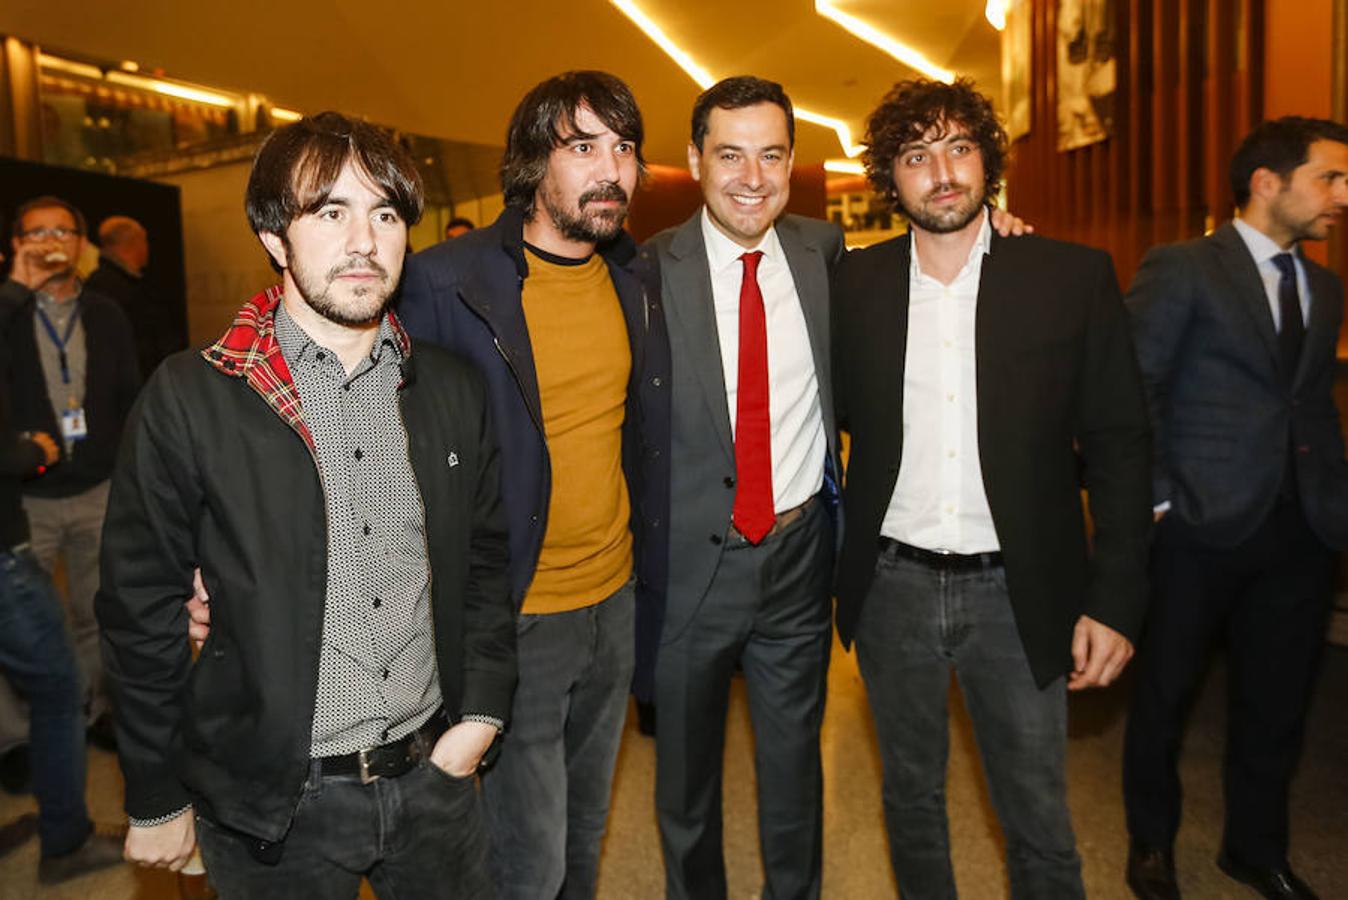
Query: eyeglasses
x=42, y=234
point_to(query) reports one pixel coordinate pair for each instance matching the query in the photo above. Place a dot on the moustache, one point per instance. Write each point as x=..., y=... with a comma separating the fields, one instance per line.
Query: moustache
x=603, y=192
x=359, y=266
x=947, y=187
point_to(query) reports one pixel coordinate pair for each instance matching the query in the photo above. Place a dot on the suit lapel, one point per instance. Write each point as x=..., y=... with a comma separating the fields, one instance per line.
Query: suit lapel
x=693, y=313
x=1243, y=276
x=810, y=275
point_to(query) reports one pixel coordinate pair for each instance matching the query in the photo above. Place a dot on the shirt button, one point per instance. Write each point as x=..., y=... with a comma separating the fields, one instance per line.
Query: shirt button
x=656, y=381
x=946, y=344
x=358, y=454
x=320, y=355
x=728, y=482
x=950, y=453
x=366, y=529
x=383, y=735
x=950, y=398
x=376, y=602
x=385, y=674
x=346, y=387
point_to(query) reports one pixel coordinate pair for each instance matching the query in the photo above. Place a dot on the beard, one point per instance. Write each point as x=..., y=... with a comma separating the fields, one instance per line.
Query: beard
x=362, y=305
x=950, y=219
x=594, y=227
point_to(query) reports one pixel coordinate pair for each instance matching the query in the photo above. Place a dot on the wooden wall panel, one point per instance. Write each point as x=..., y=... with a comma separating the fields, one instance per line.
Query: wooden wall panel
x=1189, y=85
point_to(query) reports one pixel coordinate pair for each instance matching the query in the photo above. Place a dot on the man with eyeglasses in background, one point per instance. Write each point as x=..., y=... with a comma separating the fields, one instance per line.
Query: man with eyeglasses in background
x=73, y=375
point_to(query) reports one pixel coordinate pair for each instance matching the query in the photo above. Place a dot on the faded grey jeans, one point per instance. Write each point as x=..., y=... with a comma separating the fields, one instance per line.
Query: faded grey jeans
x=917, y=625
x=546, y=799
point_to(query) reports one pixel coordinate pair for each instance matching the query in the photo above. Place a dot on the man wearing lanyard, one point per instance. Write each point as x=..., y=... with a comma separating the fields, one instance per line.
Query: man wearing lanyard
x=73, y=375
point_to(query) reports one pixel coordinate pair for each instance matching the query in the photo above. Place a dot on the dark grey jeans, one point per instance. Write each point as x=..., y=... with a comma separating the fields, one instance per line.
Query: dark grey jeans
x=546, y=799
x=416, y=836
x=916, y=626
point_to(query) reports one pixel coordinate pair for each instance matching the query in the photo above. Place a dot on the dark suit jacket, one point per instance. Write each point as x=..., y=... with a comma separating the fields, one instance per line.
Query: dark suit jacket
x=703, y=470
x=1059, y=401
x=1225, y=415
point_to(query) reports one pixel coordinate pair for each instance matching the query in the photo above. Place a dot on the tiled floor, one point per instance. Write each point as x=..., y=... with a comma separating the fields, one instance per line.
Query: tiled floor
x=855, y=858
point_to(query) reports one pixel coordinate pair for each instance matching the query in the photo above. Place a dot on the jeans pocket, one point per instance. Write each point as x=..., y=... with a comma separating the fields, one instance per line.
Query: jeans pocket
x=457, y=781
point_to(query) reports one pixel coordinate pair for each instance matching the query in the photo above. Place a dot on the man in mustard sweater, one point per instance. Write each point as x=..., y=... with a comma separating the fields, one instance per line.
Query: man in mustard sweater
x=577, y=369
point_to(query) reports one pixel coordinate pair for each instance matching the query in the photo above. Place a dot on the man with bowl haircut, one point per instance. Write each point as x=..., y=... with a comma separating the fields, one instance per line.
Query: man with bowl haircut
x=336, y=484
x=576, y=362
x=982, y=381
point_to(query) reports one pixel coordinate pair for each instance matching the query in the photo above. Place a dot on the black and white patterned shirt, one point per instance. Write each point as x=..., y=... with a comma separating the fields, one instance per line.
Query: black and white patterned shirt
x=377, y=674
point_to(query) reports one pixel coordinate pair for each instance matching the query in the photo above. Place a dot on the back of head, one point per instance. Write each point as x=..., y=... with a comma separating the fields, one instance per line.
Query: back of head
x=547, y=116
x=1281, y=146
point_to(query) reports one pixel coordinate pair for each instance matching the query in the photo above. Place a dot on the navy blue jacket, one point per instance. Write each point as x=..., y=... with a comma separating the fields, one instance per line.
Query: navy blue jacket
x=466, y=294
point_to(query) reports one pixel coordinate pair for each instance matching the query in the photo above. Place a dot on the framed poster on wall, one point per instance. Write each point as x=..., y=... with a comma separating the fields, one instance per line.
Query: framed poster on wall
x=1087, y=71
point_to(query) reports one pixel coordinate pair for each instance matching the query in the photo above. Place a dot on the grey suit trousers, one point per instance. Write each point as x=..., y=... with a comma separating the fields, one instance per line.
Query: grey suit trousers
x=768, y=610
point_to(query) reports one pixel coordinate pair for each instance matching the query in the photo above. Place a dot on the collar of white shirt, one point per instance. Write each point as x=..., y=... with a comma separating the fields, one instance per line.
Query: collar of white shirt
x=981, y=246
x=722, y=252
x=1262, y=247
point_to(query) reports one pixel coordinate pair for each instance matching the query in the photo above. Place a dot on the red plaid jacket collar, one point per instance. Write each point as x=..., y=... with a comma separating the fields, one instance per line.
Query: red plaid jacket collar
x=248, y=350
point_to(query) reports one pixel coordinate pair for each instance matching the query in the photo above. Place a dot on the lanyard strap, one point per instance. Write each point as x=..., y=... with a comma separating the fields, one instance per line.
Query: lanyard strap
x=61, y=342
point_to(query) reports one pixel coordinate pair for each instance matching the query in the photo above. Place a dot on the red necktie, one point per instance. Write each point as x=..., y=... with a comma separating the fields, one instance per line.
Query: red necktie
x=754, y=514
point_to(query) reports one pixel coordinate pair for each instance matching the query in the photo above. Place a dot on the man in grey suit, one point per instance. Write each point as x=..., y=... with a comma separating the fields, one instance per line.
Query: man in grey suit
x=1236, y=335
x=751, y=536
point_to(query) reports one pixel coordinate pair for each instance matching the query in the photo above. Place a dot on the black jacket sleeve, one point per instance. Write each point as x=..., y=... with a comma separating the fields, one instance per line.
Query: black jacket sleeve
x=1115, y=445
x=489, y=663
x=146, y=574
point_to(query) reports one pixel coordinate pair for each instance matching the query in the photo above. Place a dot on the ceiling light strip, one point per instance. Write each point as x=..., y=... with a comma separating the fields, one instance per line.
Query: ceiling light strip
x=700, y=75
x=704, y=79
x=877, y=38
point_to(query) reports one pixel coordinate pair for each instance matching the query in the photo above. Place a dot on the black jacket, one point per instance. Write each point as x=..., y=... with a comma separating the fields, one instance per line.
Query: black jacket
x=465, y=294
x=111, y=382
x=1226, y=415
x=19, y=458
x=211, y=475
x=153, y=336
x=1059, y=403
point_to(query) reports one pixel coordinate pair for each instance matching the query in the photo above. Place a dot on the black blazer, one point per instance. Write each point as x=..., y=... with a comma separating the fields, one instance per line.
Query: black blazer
x=1060, y=403
x=1225, y=414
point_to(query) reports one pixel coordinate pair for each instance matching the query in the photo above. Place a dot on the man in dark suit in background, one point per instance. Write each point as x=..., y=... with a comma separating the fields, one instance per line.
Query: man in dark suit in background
x=1236, y=336
x=979, y=378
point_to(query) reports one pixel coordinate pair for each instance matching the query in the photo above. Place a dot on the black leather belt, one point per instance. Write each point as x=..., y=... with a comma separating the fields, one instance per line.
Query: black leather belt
x=392, y=759
x=947, y=562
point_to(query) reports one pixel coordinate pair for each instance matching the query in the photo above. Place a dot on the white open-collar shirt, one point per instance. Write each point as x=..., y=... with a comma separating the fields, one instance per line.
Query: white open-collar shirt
x=939, y=502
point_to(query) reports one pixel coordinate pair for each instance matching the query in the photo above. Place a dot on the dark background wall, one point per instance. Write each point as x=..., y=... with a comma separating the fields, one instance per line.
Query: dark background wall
x=155, y=206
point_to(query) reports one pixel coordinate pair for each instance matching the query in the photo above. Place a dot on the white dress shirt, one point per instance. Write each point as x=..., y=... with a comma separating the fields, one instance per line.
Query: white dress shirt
x=939, y=502
x=1263, y=248
x=798, y=444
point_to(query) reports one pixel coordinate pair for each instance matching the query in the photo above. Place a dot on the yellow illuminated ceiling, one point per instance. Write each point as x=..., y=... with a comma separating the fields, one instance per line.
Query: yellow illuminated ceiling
x=456, y=69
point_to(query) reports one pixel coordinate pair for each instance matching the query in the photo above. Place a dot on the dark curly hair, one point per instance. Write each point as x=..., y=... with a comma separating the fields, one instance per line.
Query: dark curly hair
x=913, y=108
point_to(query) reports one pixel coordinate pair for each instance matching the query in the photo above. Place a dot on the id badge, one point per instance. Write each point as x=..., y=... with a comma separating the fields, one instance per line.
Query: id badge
x=73, y=425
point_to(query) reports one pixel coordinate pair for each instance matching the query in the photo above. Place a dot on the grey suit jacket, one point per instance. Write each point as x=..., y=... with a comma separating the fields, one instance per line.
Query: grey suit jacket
x=1224, y=414
x=702, y=490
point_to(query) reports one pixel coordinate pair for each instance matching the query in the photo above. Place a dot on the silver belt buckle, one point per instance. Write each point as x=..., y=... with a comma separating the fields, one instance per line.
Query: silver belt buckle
x=363, y=759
